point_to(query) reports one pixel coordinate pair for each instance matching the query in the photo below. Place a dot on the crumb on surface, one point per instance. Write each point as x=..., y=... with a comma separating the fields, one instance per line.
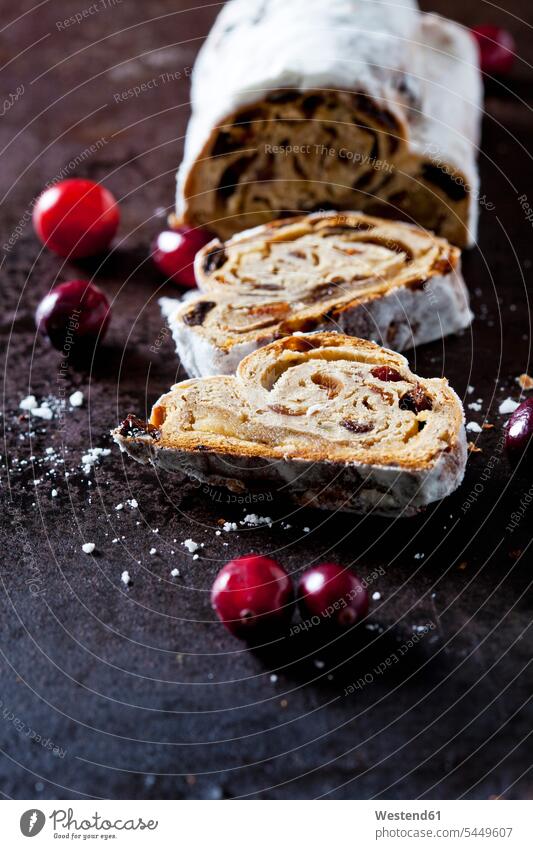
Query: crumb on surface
x=88, y=547
x=255, y=521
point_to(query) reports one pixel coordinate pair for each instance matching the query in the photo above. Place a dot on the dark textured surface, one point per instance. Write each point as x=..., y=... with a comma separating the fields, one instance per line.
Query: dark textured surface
x=143, y=693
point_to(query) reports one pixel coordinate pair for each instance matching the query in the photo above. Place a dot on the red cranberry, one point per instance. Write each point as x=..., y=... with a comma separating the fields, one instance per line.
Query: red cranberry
x=386, y=373
x=173, y=252
x=251, y=594
x=496, y=49
x=76, y=218
x=520, y=430
x=76, y=312
x=333, y=593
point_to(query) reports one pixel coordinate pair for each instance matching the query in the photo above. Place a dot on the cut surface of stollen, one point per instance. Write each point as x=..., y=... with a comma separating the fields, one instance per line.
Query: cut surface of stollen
x=332, y=421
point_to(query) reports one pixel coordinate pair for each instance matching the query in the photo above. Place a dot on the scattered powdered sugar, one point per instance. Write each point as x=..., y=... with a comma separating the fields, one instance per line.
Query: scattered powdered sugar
x=76, y=399
x=475, y=405
x=125, y=578
x=230, y=526
x=88, y=547
x=470, y=390
x=474, y=427
x=175, y=573
x=255, y=521
x=153, y=551
x=508, y=406
x=376, y=596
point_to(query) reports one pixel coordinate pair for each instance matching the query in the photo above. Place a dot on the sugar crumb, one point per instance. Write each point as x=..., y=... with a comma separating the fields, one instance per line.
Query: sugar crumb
x=76, y=399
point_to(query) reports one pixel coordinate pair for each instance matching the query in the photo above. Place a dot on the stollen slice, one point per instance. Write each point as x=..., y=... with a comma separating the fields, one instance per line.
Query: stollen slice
x=329, y=420
x=305, y=104
x=390, y=282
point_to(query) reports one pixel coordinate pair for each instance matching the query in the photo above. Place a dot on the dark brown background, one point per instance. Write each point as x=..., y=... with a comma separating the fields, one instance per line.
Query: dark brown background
x=145, y=692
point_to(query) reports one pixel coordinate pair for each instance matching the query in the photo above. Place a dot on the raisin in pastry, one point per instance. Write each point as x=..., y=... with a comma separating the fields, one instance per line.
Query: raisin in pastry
x=348, y=104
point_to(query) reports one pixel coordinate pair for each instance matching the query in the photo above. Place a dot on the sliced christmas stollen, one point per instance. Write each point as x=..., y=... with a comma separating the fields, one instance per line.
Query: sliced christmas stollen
x=306, y=104
x=390, y=282
x=336, y=422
